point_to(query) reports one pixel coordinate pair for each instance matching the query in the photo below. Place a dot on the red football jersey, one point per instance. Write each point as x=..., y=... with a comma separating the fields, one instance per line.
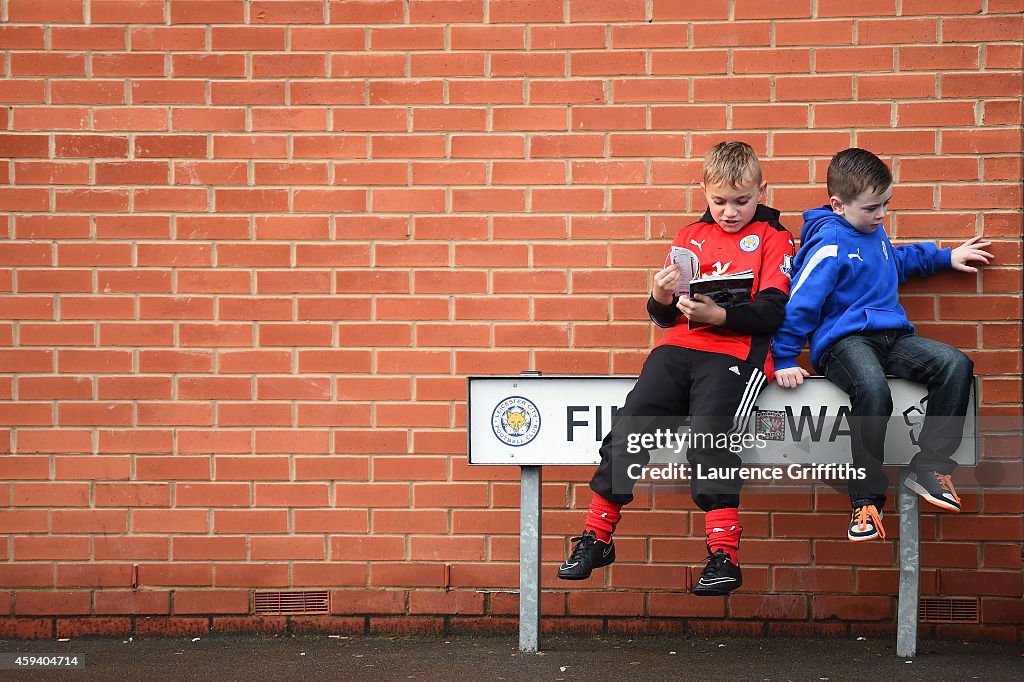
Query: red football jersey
x=763, y=246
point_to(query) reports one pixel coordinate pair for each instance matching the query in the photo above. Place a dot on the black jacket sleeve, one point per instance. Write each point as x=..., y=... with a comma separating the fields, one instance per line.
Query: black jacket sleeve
x=665, y=315
x=762, y=317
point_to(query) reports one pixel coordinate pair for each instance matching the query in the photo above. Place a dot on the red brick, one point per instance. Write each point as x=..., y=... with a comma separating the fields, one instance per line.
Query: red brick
x=24, y=521
x=23, y=37
x=770, y=606
x=124, y=602
x=477, y=146
x=248, y=37
x=988, y=28
x=172, y=468
x=276, y=625
x=32, y=441
x=852, y=608
x=126, y=11
x=980, y=84
x=207, y=12
x=837, y=8
x=406, y=574
x=173, y=627
x=368, y=601
x=245, y=468
x=246, y=521
x=52, y=602
x=92, y=467
x=219, y=601
x=294, y=12
x=95, y=575
x=165, y=38
x=170, y=521
x=133, y=495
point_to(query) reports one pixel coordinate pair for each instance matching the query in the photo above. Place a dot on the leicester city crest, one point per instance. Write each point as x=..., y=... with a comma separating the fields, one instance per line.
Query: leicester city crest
x=515, y=421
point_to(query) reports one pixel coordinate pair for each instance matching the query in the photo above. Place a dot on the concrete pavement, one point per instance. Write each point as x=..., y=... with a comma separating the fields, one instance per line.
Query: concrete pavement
x=465, y=659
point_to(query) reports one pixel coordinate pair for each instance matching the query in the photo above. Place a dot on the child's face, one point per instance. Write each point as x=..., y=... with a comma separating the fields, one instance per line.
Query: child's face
x=865, y=212
x=733, y=207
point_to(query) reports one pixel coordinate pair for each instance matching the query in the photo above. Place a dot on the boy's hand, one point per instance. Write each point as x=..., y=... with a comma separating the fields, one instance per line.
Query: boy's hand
x=700, y=308
x=791, y=377
x=968, y=252
x=665, y=283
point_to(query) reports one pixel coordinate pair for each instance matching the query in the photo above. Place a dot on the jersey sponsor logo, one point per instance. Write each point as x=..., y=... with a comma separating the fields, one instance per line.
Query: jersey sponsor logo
x=515, y=421
x=770, y=424
x=750, y=243
x=885, y=251
x=787, y=266
x=718, y=268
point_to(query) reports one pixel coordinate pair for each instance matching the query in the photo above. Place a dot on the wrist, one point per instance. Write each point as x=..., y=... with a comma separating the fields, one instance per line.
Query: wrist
x=661, y=298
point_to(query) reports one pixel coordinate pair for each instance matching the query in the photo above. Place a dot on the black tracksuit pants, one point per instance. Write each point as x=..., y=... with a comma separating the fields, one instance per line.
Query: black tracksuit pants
x=716, y=391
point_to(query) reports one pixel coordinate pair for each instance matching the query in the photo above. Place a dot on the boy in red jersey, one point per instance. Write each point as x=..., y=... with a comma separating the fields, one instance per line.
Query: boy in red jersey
x=711, y=372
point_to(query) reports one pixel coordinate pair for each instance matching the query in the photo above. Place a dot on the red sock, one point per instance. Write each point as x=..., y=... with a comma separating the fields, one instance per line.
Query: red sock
x=722, y=527
x=602, y=517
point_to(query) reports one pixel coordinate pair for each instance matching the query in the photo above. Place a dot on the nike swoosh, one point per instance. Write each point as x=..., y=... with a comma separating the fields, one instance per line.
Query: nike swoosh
x=606, y=552
x=715, y=581
x=565, y=566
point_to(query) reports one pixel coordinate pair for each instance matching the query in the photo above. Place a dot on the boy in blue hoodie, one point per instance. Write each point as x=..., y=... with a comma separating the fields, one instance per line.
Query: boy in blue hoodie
x=845, y=296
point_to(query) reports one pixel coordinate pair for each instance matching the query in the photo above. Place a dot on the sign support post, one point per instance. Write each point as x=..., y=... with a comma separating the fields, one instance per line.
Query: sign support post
x=529, y=554
x=529, y=559
x=910, y=571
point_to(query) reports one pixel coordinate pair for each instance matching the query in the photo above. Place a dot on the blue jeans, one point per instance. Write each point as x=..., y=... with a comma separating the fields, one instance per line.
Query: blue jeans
x=858, y=364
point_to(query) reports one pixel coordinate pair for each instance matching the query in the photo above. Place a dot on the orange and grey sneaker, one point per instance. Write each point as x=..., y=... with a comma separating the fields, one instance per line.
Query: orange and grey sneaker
x=866, y=524
x=935, y=488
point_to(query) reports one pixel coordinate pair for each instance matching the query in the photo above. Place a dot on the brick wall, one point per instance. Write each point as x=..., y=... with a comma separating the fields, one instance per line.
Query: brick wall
x=253, y=248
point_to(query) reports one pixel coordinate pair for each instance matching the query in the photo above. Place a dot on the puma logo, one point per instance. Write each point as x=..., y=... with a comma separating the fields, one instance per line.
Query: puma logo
x=851, y=256
x=698, y=244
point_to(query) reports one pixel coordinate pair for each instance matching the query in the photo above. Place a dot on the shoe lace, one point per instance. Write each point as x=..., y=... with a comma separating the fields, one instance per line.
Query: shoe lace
x=716, y=560
x=947, y=484
x=869, y=513
x=584, y=543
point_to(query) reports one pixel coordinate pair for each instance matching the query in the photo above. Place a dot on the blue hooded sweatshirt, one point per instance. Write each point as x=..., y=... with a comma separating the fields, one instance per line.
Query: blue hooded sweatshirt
x=846, y=281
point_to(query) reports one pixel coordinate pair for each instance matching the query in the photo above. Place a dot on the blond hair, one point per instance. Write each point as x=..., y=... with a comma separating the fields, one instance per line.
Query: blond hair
x=731, y=162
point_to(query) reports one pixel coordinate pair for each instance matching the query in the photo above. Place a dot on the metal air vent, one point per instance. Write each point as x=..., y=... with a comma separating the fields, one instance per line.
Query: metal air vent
x=948, y=610
x=292, y=603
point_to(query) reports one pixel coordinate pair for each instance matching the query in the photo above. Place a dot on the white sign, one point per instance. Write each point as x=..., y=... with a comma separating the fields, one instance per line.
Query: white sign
x=535, y=420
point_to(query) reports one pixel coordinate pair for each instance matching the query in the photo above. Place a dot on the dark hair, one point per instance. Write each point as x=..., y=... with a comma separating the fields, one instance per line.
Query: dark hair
x=733, y=163
x=854, y=170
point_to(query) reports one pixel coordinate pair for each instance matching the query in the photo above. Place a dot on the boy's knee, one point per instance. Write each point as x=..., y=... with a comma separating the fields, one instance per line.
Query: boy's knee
x=962, y=364
x=876, y=393
x=956, y=366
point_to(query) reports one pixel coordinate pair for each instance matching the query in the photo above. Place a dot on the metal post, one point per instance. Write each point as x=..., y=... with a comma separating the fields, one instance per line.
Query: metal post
x=529, y=559
x=910, y=571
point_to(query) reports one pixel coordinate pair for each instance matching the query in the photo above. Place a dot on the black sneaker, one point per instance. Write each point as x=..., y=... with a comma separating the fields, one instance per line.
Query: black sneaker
x=935, y=488
x=588, y=554
x=720, y=577
x=865, y=524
